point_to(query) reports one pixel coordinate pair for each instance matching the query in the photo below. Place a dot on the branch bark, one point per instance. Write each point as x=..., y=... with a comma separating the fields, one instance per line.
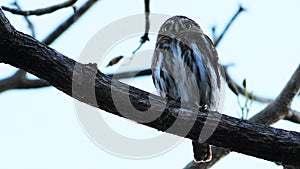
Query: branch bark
x=83, y=81
x=21, y=82
x=42, y=11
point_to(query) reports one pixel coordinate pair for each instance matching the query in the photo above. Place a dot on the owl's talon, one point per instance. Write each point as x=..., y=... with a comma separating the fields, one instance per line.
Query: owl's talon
x=207, y=158
x=203, y=108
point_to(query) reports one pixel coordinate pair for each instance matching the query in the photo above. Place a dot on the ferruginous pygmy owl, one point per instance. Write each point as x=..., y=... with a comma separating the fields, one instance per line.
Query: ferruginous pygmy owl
x=185, y=67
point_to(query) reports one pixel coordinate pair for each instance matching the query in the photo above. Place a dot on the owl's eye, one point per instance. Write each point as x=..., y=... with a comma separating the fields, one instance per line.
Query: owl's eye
x=166, y=28
x=187, y=25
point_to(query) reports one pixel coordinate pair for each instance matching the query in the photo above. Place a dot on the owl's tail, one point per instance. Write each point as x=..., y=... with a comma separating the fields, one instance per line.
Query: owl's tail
x=202, y=152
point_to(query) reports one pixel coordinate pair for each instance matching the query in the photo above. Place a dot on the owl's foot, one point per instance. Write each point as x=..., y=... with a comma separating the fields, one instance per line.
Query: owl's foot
x=203, y=108
x=169, y=98
x=207, y=158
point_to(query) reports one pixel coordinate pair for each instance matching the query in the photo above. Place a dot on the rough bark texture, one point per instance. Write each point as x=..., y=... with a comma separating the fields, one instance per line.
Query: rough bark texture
x=84, y=82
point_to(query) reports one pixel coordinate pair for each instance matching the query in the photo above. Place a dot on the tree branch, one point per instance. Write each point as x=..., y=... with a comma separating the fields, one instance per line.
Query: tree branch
x=20, y=81
x=25, y=83
x=145, y=37
x=293, y=116
x=219, y=38
x=280, y=107
x=42, y=11
x=29, y=23
x=237, y=89
x=83, y=81
x=72, y=19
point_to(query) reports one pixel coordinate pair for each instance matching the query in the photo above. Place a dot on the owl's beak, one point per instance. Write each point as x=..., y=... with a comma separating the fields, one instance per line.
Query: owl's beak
x=176, y=27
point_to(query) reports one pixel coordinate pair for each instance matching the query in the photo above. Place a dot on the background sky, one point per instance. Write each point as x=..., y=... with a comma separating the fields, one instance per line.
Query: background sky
x=39, y=128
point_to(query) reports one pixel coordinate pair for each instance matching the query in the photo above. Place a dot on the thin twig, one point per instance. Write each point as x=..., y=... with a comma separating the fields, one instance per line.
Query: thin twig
x=217, y=41
x=66, y=24
x=213, y=32
x=20, y=81
x=29, y=23
x=41, y=11
x=145, y=37
x=237, y=89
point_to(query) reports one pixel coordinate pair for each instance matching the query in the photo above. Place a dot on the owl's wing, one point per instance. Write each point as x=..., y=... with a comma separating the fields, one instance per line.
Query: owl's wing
x=211, y=59
x=162, y=75
x=208, y=65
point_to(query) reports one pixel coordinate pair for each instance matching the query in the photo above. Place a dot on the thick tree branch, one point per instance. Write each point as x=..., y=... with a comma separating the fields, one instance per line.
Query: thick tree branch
x=82, y=81
x=25, y=83
x=42, y=11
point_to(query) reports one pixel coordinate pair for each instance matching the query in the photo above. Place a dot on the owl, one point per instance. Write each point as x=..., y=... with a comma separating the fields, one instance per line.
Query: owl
x=185, y=67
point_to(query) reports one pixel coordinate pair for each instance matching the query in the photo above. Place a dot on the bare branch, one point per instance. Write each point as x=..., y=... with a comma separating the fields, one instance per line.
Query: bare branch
x=293, y=116
x=280, y=107
x=29, y=23
x=65, y=25
x=237, y=89
x=20, y=81
x=217, y=41
x=81, y=80
x=145, y=37
x=40, y=11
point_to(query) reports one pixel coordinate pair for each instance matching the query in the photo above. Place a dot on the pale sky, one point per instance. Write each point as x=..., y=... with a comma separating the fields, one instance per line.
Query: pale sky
x=40, y=128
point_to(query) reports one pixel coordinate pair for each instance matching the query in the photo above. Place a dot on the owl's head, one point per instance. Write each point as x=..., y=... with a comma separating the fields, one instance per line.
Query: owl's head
x=177, y=25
